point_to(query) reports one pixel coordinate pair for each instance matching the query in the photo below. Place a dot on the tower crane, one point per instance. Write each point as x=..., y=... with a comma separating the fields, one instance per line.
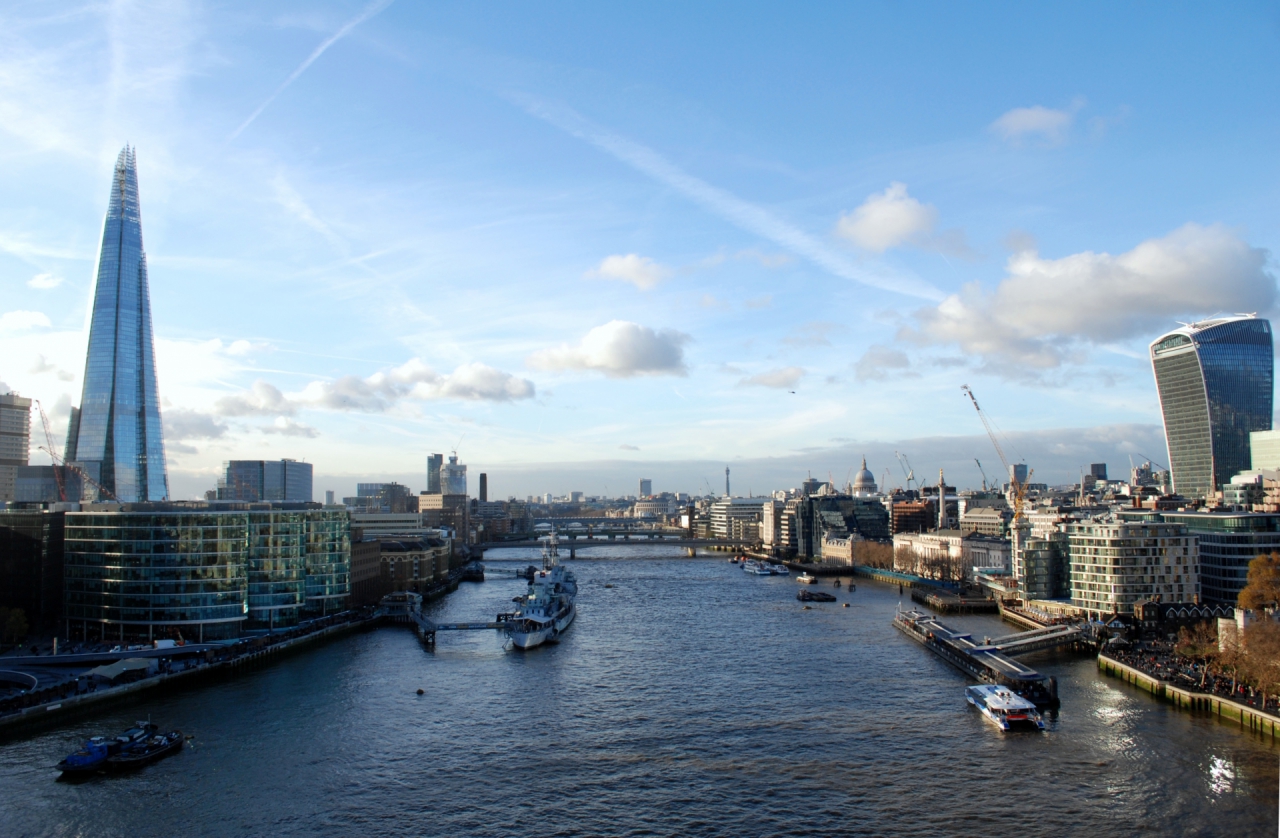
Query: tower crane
x=59, y=465
x=1017, y=487
x=983, y=473
x=907, y=471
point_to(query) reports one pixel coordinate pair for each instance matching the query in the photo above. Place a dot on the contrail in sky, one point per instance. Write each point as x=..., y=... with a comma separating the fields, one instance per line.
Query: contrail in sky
x=744, y=214
x=369, y=11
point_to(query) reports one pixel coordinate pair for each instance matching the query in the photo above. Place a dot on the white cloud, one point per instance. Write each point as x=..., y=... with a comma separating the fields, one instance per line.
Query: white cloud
x=22, y=321
x=1050, y=125
x=183, y=424
x=782, y=379
x=44, y=281
x=43, y=366
x=640, y=271
x=619, y=349
x=879, y=362
x=263, y=399
x=416, y=380
x=1044, y=308
x=625, y=447
x=888, y=219
x=284, y=426
x=476, y=382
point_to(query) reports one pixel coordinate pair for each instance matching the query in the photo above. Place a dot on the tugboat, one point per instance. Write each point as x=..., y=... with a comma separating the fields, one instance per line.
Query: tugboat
x=547, y=608
x=146, y=751
x=95, y=752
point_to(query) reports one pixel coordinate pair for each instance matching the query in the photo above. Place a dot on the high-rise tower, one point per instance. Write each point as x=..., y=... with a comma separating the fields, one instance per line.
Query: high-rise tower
x=1215, y=380
x=115, y=434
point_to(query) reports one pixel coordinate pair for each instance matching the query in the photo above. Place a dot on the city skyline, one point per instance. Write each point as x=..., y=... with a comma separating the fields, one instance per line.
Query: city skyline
x=376, y=232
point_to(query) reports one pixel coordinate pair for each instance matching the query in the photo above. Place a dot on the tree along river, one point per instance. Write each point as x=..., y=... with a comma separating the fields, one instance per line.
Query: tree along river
x=687, y=699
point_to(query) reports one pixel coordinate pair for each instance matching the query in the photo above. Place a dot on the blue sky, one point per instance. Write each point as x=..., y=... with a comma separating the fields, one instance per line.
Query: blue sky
x=596, y=242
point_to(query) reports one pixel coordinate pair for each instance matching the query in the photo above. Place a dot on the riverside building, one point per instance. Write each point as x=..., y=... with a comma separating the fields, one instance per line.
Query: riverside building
x=1117, y=563
x=201, y=571
x=115, y=433
x=1215, y=381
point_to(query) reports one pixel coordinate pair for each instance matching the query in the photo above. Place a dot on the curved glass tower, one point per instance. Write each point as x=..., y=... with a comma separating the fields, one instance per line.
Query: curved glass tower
x=1215, y=380
x=115, y=434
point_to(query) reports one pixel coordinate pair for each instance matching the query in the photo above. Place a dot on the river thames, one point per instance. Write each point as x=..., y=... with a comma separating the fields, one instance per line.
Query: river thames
x=687, y=699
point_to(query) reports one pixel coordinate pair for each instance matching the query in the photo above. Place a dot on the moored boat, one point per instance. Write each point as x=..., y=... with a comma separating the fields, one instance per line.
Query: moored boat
x=1004, y=708
x=146, y=751
x=547, y=608
x=95, y=752
x=814, y=596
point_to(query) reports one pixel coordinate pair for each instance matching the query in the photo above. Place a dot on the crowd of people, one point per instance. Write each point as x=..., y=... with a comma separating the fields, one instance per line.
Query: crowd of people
x=1162, y=660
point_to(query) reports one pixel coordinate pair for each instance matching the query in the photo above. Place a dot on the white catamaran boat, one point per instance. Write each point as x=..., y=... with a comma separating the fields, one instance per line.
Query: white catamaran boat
x=1004, y=708
x=547, y=609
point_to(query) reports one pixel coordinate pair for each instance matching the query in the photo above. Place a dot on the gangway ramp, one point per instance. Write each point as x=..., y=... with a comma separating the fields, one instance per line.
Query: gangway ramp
x=1036, y=640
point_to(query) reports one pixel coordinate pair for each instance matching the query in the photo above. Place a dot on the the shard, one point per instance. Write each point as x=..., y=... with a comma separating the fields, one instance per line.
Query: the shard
x=115, y=435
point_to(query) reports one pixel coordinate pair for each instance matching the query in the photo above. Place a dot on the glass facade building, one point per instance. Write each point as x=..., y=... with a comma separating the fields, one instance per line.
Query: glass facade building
x=1228, y=542
x=1215, y=381
x=150, y=570
x=115, y=434
x=265, y=480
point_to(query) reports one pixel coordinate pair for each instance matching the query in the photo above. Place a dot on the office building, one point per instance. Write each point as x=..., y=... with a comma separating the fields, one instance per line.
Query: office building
x=15, y=441
x=328, y=497
x=31, y=549
x=484, y=486
x=453, y=477
x=434, y=464
x=1215, y=381
x=1264, y=450
x=382, y=497
x=115, y=434
x=646, y=487
x=1018, y=473
x=265, y=480
x=201, y=571
x=1116, y=564
x=1227, y=543
x=1098, y=471
x=449, y=511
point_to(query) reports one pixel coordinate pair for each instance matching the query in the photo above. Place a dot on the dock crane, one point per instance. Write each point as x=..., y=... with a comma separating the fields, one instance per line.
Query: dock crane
x=1018, y=488
x=983, y=473
x=59, y=465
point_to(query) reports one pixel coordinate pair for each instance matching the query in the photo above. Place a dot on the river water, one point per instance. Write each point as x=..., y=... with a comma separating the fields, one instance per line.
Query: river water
x=687, y=699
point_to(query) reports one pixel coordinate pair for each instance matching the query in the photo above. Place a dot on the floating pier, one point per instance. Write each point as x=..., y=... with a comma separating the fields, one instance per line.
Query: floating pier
x=991, y=660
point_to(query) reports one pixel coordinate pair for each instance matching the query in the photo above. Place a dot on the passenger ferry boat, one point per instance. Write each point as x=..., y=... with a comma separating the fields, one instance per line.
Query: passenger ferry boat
x=547, y=609
x=1004, y=708
x=806, y=578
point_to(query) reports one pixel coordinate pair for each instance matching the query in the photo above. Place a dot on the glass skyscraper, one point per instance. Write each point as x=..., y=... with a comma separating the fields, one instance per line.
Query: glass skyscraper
x=115, y=434
x=1215, y=380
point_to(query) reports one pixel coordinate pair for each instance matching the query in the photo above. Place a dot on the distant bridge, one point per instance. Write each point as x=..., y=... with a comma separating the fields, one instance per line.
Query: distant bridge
x=573, y=543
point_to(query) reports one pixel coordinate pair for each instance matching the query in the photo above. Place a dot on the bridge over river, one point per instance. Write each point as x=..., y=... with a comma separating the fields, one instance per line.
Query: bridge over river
x=573, y=543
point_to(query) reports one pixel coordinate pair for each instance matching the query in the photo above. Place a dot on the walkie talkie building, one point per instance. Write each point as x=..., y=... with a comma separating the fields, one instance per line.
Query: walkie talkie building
x=115, y=434
x=1215, y=380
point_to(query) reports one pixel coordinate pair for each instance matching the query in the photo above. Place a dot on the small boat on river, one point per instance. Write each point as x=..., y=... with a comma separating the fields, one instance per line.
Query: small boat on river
x=806, y=578
x=814, y=596
x=1004, y=708
x=146, y=751
x=95, y=752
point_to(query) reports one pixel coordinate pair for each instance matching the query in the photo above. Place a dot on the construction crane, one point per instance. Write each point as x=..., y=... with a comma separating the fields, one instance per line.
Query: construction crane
x=907, y=471
x=59, y=465
x=983, y=473
x=1017, y=487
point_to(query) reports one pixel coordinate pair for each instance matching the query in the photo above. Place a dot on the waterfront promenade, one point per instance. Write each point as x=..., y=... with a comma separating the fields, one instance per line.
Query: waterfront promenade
x=1159, y=670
